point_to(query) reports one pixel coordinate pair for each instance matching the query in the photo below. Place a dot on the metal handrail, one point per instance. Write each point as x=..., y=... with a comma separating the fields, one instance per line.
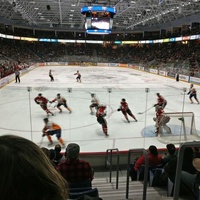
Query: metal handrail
x=179, y=166
x=145, y=171
x=111, y=164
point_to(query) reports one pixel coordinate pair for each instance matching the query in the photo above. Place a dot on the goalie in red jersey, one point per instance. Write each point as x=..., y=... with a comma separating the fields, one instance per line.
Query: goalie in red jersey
x=161, y=101
x=100, y=114
x=161, y=121
x=42, y=101
x=126, y=110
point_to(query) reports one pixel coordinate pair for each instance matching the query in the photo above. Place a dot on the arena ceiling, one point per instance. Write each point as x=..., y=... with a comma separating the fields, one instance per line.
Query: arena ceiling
x=131, y=15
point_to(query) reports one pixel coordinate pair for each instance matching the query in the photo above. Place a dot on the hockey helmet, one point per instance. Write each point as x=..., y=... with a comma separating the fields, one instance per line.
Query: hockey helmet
x=46, y=119
x=40, y=94
x=58, y=94
x=123, y=100
x=92, y=94
x=158, y=94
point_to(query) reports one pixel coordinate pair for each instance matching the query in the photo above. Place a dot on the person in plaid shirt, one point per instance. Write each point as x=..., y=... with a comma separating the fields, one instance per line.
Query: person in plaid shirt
x=73, y=169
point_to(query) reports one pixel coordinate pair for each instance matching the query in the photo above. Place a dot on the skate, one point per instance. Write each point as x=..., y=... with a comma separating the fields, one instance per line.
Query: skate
x=50, y=144
x=128, y=121
x=92, y=113
x=60, y=111
x=50, y=114
x=106, y=135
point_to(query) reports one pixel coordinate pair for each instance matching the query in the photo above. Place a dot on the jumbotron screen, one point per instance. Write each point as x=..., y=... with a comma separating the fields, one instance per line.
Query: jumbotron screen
x=98, y=17
x=99, y=23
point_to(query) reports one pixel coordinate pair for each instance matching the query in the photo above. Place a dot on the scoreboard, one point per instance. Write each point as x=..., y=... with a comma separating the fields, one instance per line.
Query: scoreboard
x=98, y=19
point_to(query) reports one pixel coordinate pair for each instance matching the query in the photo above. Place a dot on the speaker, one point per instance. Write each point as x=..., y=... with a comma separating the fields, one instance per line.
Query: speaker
x=144, y=12
x=48, y=7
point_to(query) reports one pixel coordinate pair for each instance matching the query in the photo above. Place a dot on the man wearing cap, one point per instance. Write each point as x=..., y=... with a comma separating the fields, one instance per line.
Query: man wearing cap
x=169, y=164
x=73, y=169
x=170, y=155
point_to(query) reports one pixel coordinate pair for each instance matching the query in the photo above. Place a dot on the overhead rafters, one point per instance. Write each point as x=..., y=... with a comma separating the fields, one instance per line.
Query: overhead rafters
x=131, y=15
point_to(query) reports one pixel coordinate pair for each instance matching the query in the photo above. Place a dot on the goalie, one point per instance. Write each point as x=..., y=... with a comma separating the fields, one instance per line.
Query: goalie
x=161, y=121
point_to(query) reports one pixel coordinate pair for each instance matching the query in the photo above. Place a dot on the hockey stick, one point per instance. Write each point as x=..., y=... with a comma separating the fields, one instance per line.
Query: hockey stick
x=111, y=113
x=145, y=110
x=184, y=94
x=53, y=106
x=41, y=141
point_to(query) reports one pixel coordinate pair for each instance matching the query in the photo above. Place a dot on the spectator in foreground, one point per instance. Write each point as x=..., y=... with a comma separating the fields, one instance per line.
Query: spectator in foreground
x=192, y=181
x=73, y=169
x=59, y=156
x=26, y=173
x=154, y=158
x=51, y=154
x=171, y=153
x=168, y=160
x=187, y=166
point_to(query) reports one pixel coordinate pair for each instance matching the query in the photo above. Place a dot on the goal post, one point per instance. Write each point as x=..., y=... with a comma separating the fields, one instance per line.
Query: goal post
x=179, y=128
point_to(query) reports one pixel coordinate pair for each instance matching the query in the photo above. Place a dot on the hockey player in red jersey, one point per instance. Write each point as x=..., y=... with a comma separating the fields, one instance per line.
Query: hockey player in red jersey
x=161, y=101
x=161, y=121
x=126, y=110
x=100, y=114
x=42, y=101
x=61, y=102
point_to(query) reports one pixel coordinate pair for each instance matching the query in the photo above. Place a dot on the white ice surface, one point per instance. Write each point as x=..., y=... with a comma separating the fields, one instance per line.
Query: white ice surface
x=21, y=116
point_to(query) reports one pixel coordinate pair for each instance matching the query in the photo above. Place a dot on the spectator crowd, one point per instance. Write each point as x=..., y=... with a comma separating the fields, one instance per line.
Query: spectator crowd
x=20, y=54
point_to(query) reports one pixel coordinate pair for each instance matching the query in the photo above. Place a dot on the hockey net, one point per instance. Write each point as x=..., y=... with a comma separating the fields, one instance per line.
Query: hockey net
x=180, y=128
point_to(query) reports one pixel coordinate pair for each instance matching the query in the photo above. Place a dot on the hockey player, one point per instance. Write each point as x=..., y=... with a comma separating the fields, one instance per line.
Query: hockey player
x=100, y=114
x=161, y=101
x=161, y=121
x=94, y=103
x=42, y=101
x=193, y=93
x=61, y=102
x=51, y=128
x=126, y=110
x=78, y=78
x=50, y=75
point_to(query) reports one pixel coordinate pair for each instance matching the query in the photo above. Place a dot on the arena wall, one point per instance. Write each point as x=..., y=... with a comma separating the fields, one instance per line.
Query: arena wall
x=164, y=73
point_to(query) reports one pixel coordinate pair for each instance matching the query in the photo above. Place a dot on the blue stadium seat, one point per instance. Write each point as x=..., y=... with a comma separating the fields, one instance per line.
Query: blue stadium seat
x=89, y=192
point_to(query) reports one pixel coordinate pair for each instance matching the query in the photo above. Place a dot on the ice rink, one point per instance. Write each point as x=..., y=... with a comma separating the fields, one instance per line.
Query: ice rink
x=20, y=115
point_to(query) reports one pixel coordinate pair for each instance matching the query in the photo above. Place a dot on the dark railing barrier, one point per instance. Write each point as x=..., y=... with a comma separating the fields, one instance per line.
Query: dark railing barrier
x=179, y=166
x=134, y=151
x=109, y=162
